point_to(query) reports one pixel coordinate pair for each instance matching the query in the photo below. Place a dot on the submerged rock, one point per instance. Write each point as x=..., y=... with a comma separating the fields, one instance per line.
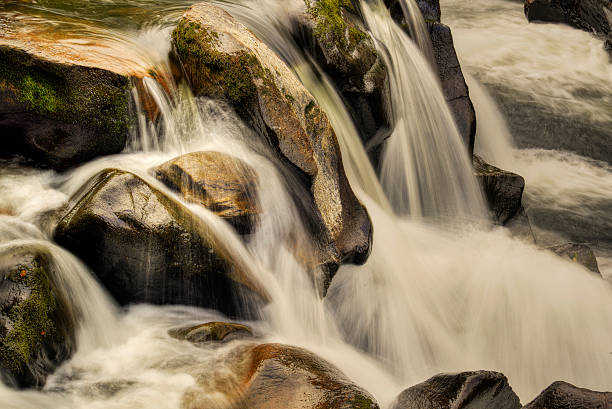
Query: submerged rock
x=36, y=331
x=275, y=376
x=562, y=395
x=56, y=111
x=334, y=34
x=217, y=181
x=144, y=247
x=211, y=331
x=466, y=390
x=503, y=190
x=223, y=59
x=578, y=253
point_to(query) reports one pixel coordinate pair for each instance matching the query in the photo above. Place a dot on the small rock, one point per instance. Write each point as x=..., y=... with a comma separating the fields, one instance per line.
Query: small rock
x=578, y=253
x=466, y=390
x=562, y=395
x=503, y=190
x=217, y=181
x=211, y=331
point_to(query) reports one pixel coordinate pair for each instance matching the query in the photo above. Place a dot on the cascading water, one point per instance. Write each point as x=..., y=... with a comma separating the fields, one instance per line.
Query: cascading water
x=432, y=297
x=425, y=169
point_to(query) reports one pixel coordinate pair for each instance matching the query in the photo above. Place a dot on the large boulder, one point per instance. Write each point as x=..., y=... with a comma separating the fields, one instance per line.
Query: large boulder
x=223, y=59
x=36, y=328
x=451, y=77
x=59, y=108
x=275, y=376
x=562, y=395
x=578, y=253
x=503, y=190
x=219, y=182
x=466, y=390
x=333, y=33
x=145, y=247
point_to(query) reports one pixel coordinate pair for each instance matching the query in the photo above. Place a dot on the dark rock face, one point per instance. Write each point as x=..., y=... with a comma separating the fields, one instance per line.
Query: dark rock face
x=453, y=83
x=503, y=190
x=56, y=113
x=219, y=182
x=223, y=59
x=36, y=331
x=578, y=253
x=333, y=33
x=275, y=376
x=562, y=395
x=211, y=331
x=466, y=390
x=146, y=248
x=588, y=15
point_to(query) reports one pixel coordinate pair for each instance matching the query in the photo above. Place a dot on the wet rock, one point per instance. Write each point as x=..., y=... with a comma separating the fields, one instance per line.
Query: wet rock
x=333, y=33
x=562, y=395
x=453, y=83
x=217, y=181
x=578, y=253
x=211, y=331
x=587, y=15
x=36, y=331
x=144, y=247
x=466, y=390
x=503, y=190
x=275, y=376
x=57, y=112
x=223, y=59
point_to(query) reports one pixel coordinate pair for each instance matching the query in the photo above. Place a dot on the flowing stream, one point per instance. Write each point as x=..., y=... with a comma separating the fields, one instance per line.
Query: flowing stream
x=443, y=289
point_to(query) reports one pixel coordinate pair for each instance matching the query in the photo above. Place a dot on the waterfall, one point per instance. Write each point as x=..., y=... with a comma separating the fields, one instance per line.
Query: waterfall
x=425, y=171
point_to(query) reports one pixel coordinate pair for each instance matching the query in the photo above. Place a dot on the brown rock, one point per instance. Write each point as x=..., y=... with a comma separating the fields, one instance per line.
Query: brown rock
x=223, y=59
x=217, y=181
x=275, y=376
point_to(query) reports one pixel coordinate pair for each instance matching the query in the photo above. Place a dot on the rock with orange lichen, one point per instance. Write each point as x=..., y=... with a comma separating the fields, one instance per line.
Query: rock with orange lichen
x=36, y=326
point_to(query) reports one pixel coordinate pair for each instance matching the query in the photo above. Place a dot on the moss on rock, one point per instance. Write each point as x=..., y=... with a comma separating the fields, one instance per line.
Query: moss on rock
x=230, y=74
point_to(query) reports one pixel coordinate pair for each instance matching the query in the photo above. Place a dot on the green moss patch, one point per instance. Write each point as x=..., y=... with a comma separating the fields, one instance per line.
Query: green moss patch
x=94, y=98
x=231, y=74
x=330, y=25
